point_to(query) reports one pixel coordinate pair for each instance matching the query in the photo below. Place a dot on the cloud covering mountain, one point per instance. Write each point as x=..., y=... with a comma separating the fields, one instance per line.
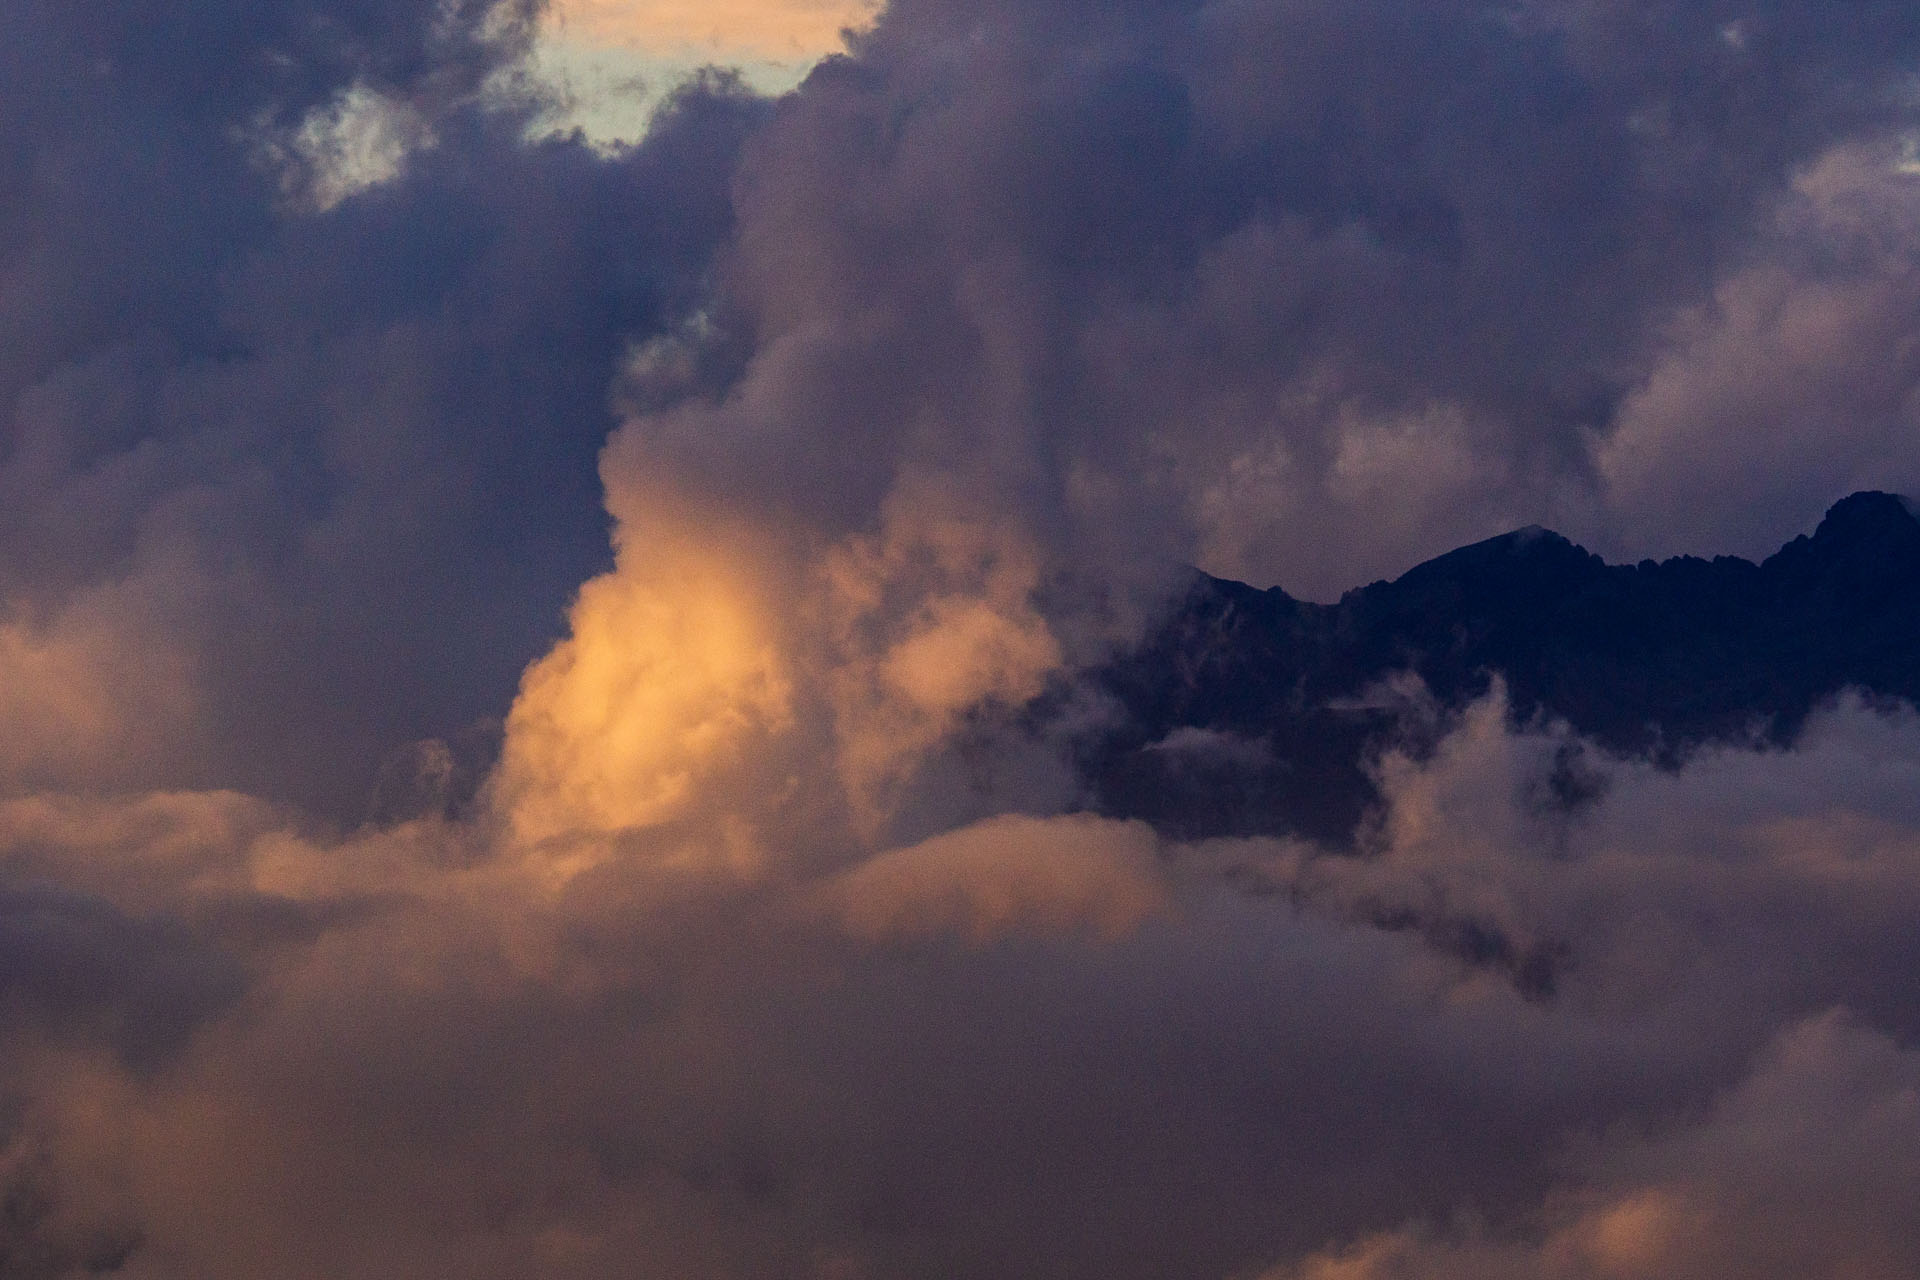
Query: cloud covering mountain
x=544, y=688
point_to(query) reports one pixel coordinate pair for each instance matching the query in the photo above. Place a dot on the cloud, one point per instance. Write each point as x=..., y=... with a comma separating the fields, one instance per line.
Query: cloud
x=248, y=433
x=773, y=1066
x=1794, y=379
x=1800, y=1170
x=672, y=668
x=929, y=621
x=1746, y=888
x=76, y=967
x=1217, y=283
x=777, y=943
x=1007, y=875
x=1123, y=290
x=84, y=700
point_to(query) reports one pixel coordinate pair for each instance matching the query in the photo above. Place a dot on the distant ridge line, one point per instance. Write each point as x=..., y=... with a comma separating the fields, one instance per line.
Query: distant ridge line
x=1654, y=659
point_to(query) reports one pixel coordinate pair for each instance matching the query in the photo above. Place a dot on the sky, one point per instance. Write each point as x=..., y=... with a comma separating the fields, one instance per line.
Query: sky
x=525, y=533
x=609, y=64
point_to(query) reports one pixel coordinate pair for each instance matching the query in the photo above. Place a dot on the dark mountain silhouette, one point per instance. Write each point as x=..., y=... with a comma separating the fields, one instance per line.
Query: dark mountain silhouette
x=1251, y=712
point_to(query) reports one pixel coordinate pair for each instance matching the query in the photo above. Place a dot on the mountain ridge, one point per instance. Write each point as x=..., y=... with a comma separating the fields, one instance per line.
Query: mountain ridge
x=1247, y=711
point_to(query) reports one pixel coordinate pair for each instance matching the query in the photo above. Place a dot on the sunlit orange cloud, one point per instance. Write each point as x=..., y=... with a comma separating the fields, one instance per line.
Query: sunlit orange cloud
x=727, y=30
x=671, y=672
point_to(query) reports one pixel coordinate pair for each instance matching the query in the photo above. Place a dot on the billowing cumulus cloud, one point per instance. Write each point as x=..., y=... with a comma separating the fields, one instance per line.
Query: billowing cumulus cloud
x=1794, y=373
x=1221, y=279
x=539, y=683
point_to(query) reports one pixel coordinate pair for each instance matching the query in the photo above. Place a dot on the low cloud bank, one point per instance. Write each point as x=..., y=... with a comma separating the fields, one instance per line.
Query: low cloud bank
x=1058, y=1045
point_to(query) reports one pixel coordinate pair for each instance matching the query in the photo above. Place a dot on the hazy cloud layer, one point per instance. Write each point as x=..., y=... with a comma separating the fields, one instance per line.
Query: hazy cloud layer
x=1056, y=1046
x=1804, y=1169
x=721, y=912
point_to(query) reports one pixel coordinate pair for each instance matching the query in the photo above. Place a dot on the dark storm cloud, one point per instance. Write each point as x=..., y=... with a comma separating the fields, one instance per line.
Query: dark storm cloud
x=305, y=485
